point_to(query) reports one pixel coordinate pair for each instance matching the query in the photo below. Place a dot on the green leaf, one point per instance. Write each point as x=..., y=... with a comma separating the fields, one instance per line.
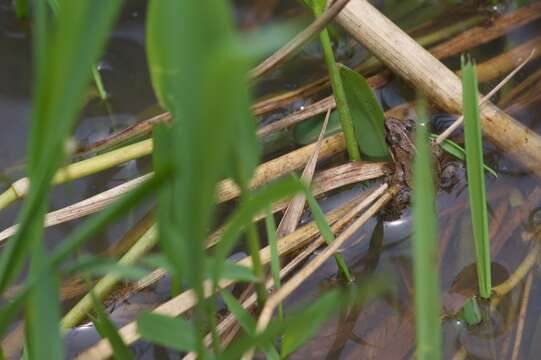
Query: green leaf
x=107, y=329
x=470, y=312
x=325, y=231
x=425, y=248
x=202, y=83
x=270, y=226
x=457, y=151
x=308, y=131
x=241, y=314
x=317, y=6
x=368, y=118
x=232, y=271
x=42, y=310
x=476, y=179
x=174, y=333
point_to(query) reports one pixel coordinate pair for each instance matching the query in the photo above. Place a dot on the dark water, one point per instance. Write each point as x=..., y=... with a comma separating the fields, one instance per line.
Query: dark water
x=381, y=330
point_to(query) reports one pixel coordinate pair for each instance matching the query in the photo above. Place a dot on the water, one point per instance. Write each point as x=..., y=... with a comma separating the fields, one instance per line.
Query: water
x=381, y=330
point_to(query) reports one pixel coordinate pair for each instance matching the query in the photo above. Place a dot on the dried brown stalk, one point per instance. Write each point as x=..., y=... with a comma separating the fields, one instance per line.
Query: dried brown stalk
x=314, y=109
x=522, y=270
x=499, y=65
x=140, y=128
x=293, y=212
x=522, y=316
x=421, y=69
x=483, y=34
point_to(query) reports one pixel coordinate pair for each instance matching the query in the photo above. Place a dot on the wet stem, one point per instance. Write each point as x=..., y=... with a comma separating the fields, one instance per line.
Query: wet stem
x=340, y=95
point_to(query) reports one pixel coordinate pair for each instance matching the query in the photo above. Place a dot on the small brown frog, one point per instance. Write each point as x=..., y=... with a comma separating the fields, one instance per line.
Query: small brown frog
x=399, y=137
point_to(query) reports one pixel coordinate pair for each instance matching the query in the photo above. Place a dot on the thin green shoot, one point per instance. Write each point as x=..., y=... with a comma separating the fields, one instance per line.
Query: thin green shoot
x=425, y=249
x=476, y=177
x=318, y=6
x=275, y=259
x=452, y=148
x=470, y=312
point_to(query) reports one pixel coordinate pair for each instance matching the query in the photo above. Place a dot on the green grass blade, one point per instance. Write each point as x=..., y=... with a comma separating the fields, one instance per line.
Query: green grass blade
x=107, y=329
x=42, y=311
x=270, y=226
x=342, y=105
x=174, y=333
x=476, y=179
x=247, y=322
x=425, y=249
x=21, y=9
x=368, y=118
x=62, y=76
x=470, y=312
x=232, y=271
x=326, y=232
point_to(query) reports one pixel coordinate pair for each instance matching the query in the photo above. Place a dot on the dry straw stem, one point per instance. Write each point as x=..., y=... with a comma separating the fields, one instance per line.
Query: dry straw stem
x=185, y=301
x=499, y=65
x=417, y=66
x=324, y=181
x=519, y=274
x=298, y=41
x=522, y=316
x=483, y=34
x=293, y=212
x=80, y=169
x=139, y=128
x=519, y=95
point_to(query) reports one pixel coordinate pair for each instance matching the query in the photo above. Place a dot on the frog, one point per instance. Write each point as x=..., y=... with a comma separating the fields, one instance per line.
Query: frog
x=399, y=136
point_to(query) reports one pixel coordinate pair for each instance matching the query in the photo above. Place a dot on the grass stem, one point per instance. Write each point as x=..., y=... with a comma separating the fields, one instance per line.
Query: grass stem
x=346, y=120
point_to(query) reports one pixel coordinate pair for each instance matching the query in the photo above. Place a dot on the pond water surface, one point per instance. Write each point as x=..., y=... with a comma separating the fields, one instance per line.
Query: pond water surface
x=382, y=330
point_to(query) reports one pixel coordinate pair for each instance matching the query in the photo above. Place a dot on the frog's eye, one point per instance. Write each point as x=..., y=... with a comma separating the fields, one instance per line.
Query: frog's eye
x=408, y=126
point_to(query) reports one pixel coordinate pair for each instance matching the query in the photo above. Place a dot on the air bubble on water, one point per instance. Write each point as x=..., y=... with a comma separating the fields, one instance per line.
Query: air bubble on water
x=103, y=65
